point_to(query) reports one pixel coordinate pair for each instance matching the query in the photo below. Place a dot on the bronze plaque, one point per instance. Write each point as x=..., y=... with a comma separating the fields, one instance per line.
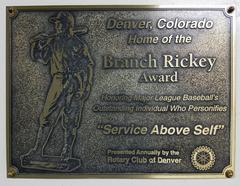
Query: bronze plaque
x=126, y=91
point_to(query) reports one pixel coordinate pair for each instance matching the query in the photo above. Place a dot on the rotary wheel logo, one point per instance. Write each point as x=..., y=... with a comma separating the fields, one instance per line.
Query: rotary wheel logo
x=203, y=158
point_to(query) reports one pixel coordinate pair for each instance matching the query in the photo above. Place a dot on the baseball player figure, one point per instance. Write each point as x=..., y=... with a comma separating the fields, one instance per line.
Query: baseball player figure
x=71, y=69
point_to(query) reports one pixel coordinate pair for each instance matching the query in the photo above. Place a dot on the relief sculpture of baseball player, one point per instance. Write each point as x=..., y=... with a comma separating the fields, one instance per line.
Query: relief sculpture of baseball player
x=71, y=68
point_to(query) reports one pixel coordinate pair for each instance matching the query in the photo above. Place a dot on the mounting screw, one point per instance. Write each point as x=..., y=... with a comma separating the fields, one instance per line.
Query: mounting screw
x=12, y=12
x=229, y=173
x=12, y=171
x=230, y=9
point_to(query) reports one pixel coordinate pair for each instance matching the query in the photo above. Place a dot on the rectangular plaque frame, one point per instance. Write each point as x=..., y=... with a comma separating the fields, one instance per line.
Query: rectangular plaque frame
x=13, y=172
